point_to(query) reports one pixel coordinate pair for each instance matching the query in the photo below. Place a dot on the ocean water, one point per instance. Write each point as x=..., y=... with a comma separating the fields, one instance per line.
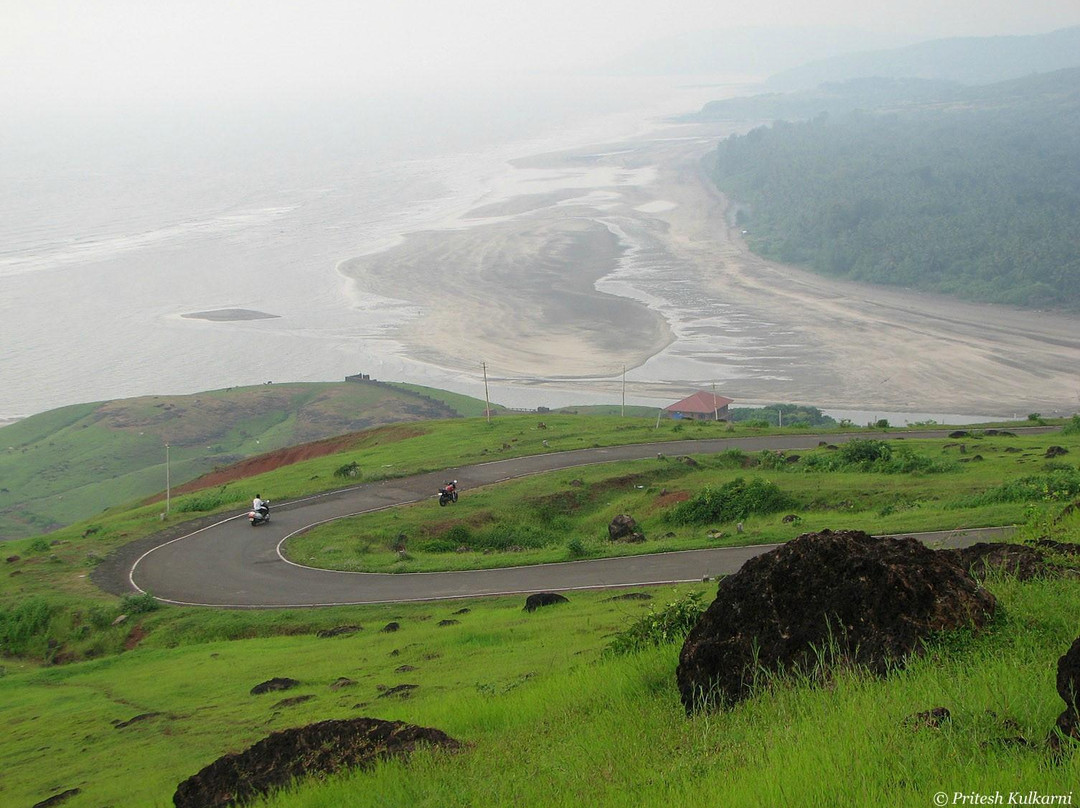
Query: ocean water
x=113, y=228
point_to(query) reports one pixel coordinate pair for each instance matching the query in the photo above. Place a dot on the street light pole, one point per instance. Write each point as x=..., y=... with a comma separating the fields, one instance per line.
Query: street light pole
x=168, y=480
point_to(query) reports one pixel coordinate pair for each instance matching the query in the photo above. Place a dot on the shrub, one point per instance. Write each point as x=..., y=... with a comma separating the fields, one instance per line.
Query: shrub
x=731, y=501
x=139, y=604
x=576, y=547
x=669, y=625
x=38, y=545
x=1072, y=427
x=1057, y=485
x=437, y=546
x=348, y=470
x=864, y=452
x=25, y=627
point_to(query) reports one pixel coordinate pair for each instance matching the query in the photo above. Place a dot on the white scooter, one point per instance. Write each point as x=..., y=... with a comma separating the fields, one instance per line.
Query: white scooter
x=261, y=516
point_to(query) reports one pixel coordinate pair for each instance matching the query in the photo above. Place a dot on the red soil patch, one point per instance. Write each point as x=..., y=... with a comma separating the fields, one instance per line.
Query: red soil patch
x=297, y=454
x=134, y=637
x=671, y=498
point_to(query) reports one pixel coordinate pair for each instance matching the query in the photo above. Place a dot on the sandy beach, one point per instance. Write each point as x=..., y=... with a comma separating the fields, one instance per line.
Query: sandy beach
x=622, y=255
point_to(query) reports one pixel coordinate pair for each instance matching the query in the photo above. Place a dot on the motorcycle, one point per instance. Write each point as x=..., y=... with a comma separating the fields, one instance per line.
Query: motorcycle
x=448, y=494
x=261, y=516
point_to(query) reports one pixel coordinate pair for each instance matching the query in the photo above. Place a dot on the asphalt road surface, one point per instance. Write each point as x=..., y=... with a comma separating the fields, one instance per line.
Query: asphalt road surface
x=230, y=564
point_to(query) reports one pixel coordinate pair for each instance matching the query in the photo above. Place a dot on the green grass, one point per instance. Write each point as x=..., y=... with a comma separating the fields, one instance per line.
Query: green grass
x=69, y=464
x=566, y=516
x=535, y=697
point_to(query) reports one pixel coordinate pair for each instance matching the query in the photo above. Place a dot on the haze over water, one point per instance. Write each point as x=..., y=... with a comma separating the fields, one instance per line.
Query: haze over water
x=111, y=231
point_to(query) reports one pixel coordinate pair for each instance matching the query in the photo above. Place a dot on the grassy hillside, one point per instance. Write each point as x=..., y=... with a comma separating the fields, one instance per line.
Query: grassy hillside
x=536, y=697
x=71, y=463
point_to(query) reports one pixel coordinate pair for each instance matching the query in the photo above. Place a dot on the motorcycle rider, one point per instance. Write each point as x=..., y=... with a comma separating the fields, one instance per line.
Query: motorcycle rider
x=260, y=506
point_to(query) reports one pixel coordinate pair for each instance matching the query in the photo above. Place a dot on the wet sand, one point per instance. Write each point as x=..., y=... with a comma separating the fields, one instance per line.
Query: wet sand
x=514, y=284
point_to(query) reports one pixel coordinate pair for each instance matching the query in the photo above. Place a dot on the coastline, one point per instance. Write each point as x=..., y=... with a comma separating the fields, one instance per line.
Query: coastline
x=621, y=255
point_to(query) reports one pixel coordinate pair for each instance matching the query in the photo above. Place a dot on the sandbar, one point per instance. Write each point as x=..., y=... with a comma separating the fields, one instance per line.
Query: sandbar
x=520, y=294
x=229, y=315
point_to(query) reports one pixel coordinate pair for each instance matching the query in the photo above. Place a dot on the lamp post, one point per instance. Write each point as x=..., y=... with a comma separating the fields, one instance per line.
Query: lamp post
x=168, y=480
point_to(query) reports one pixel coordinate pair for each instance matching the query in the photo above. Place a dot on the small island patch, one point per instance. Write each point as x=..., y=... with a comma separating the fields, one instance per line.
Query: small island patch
x=229, y=315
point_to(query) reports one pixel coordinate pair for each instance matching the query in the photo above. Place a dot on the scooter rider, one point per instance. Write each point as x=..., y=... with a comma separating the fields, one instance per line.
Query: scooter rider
x=260, y=506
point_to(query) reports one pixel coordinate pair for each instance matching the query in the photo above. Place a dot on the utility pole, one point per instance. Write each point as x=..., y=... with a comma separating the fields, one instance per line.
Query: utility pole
x=622, y=413
x=715, y=409
x=487, y=401
x=168, y=480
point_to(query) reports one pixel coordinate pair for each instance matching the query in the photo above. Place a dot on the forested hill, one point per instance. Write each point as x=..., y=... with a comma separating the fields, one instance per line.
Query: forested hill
x=976, y=195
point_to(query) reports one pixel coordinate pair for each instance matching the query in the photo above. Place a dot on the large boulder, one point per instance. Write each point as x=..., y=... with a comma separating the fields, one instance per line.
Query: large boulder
x=825, y=597
x=1068, y=687
x=624, y=528
x=280, y=758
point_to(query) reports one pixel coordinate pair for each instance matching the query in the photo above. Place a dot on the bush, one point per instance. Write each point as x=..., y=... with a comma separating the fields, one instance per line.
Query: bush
x=864, y=452
x=1072, y=427
x=1058, y=485
x=669, y=625
x=348, y=470
x=576, y=547
x=737, y=499
x=24, y=628
x=139, y=604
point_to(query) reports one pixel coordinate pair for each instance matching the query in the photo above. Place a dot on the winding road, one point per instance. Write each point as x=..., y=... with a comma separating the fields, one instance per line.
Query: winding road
x=227, y=564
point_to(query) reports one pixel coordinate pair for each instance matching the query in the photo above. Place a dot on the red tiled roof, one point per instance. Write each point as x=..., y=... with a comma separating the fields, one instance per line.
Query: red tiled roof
x=700, y=402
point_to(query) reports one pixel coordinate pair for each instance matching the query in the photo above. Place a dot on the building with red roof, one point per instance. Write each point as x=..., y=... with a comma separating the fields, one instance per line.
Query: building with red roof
x=701, y=406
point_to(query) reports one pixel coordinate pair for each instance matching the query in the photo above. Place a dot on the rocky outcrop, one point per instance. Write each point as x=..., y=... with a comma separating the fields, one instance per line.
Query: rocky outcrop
x=823, y=598
x=1067, y=727
x=624, y=528
x=317, y=749
x=274, y=685
x=1017, y=560
x=534, y=602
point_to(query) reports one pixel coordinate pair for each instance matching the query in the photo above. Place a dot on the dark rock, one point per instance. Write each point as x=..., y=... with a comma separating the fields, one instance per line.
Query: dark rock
x=1059, y=547
x=960, y=433
x=271, y=685
x=317, y=749
x=534, y=602
x=136, y=720
x=404, y=669
x=1056, y=451
x=624, y=528
x=398, y=691
x=1066, y=730
x=57, y=799
x=442, y=623
x=342, y=682
x=633, y=596
x=466, y=610
x=824, y=598
x=933, y=718
x=338, y=631
x=791, y=517
x=11, y=559
x=1017, y=560
x=390, y=628
x=292, y=702
x=687, y=461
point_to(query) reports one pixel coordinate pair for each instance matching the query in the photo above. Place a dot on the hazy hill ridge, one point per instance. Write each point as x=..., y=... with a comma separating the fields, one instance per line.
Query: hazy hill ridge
x=968, y=60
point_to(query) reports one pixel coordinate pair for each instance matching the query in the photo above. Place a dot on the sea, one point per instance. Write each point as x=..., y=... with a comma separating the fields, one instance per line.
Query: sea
x=118, y=225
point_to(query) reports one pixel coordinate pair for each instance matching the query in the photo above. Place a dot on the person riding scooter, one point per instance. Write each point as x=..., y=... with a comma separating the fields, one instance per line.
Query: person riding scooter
x=260, y=506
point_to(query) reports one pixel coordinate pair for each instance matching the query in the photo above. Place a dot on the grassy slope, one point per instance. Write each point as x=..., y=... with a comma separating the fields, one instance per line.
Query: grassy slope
x=532, y=694
x=68, y=464
x=567, y=517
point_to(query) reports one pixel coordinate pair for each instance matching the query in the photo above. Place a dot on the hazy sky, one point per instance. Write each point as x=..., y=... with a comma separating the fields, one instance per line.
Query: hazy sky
x=105, y=50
